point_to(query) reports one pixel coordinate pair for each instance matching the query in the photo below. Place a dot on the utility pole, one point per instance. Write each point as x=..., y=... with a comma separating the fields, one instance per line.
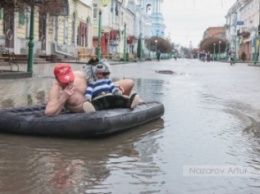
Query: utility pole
x=125, y=42
x=99, y=35
x=31, y=42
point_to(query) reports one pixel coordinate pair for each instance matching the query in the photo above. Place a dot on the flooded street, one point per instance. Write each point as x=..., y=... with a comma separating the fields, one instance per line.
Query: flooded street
x=211, y=124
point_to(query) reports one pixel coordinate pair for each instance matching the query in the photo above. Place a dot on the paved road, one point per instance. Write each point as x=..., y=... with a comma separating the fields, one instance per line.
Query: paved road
x=207, y=141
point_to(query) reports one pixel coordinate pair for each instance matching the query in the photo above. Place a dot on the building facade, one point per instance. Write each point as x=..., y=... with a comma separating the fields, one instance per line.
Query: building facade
x=76, y=27
x=242, y=22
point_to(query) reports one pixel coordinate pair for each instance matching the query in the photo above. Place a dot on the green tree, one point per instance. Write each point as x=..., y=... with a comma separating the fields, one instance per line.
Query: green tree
x=139, y=48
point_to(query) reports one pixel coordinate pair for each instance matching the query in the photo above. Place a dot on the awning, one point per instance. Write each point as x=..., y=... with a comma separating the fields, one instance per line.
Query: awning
x=130, y=39
x=113, y=35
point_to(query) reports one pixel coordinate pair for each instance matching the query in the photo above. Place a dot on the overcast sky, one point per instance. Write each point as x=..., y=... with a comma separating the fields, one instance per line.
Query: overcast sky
x=186, y=20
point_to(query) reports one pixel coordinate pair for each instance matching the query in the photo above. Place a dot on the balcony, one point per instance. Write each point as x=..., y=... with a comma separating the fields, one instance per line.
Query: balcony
x=244, y=32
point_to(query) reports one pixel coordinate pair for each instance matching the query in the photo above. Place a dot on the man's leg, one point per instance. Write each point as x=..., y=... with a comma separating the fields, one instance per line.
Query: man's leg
x=88, y=107
x=104, y=102
x=126, y=102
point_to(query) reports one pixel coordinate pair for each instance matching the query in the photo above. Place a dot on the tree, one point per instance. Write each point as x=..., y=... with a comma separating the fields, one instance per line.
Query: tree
x=163, y=45
x=139, y=48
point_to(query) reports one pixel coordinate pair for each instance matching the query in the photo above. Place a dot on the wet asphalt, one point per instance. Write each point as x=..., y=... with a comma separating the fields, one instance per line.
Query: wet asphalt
x=206, y=142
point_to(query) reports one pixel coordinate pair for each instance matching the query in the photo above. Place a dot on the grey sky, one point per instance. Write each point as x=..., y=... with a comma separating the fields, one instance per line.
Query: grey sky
x=186, y=20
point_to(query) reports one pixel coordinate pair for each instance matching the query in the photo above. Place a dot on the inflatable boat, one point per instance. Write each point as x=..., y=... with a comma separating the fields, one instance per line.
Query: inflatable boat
x=31, y=120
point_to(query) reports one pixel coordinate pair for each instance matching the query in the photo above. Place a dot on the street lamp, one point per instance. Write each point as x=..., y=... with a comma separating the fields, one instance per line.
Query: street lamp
x=259, y=18
x=140, y=47
x=149, y=49
x=219, y=43
x=255, y=47
x=125, y=42
x=214, y=51
x=257, y=38
x=155, y=47
x=31, y=37
x=99, y=35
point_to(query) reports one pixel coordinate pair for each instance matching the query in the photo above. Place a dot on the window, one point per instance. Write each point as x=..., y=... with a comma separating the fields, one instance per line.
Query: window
x=21, y=17
x=65, y=30
x=56, y=29
x=87, y=31
x=122, y=18
x=82, y=34
x=73, y=28
x=95, y=11
x=1, y=13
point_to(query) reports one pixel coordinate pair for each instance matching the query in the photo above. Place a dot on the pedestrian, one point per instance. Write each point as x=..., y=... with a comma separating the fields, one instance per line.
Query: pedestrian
x=208, y=56
x=158, y=55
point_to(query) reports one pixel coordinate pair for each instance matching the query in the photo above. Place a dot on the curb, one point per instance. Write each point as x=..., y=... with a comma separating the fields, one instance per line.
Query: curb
x=15, y=75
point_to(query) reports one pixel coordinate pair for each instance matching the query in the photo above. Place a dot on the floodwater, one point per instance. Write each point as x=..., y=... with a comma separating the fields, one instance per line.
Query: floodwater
x=206, y=142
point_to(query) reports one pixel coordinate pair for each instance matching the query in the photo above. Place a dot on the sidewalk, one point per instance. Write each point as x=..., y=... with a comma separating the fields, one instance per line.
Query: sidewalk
x=249, y=63
x=44, y=69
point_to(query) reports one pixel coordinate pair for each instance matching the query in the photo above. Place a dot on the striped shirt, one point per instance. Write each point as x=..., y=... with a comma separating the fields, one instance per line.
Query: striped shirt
x=100, y=87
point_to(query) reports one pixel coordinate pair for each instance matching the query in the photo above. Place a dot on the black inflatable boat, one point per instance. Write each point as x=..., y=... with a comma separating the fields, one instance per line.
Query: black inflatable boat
x=31, y=121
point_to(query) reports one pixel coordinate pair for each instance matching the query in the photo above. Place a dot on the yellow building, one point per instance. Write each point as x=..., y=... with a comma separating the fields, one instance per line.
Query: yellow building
x=61, y=33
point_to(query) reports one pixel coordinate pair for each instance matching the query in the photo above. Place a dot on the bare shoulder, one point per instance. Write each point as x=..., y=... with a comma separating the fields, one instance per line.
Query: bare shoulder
x=55, y=86
x=79, y=74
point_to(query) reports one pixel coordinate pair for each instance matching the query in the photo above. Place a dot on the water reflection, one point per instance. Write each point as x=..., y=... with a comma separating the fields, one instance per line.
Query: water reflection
x=7, y=103
x=25, y=92
x=47, y=165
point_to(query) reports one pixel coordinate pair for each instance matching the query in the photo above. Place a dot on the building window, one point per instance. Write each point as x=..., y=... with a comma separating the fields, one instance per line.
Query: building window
x=95, y=11
x=122, y=18
x=82, y=34
x=73, y=28
x=27, y=29
x=87, y=31
x=1, y=13
x=21, y=17
x=66, y=30
x=56, y=29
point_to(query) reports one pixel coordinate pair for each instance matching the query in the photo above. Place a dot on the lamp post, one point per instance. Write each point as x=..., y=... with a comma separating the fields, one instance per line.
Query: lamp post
x=214, y=51
x=125, y=42
x=255, y=50
x=259, y=19
x=257, y=34
x=99, y=35
x=155, y=47
x=140, y=47
x=219, y=43
x=31, y=42
x=31, y=37
x=149, y=49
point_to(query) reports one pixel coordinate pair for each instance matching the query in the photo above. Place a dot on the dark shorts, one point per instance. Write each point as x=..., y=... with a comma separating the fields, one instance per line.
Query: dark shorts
x=110, y=102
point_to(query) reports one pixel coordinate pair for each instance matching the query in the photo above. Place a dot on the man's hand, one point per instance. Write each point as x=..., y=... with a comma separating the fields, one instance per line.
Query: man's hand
x=68, y=91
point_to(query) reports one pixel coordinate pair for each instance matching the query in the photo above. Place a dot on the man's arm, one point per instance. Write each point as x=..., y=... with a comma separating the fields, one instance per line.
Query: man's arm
x=57, y=100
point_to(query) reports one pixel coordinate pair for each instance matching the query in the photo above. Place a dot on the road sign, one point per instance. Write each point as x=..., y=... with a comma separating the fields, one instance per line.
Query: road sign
x=240, y=22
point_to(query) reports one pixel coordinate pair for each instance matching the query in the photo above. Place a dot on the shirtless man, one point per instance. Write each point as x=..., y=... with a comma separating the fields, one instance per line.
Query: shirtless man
x=69, y=90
